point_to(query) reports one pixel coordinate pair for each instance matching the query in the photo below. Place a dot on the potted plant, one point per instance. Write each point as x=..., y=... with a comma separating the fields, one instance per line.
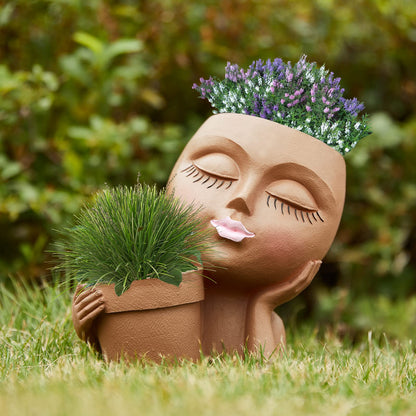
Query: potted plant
x=135, y=254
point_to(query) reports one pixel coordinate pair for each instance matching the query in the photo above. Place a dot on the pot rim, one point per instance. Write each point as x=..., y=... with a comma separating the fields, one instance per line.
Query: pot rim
x=154, y=294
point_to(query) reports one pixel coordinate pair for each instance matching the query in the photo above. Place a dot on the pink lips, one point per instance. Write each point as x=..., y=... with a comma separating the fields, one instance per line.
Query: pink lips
x=231, y=229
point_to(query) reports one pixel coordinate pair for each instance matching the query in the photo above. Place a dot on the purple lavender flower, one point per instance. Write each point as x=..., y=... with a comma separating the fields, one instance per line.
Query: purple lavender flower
x=289, y=76
x=352, y=106
x=305, y=91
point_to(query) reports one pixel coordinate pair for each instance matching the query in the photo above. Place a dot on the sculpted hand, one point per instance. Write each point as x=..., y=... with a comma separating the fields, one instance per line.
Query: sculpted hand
x=86, y=307
x=280, y=293
x=263, y=327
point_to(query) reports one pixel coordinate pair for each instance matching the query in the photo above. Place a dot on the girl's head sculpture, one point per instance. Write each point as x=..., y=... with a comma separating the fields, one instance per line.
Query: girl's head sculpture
x=268, y=170
x=274, y=195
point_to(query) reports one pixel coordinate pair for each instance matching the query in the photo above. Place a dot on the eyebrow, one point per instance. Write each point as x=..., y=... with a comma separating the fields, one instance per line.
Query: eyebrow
x=320, y=190
x=216, y=144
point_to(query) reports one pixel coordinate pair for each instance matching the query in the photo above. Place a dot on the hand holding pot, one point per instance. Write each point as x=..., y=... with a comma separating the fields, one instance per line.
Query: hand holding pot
x=87, y=305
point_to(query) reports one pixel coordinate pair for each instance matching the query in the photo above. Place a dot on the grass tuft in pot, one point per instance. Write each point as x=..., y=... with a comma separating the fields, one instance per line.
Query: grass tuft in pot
x=132, y=233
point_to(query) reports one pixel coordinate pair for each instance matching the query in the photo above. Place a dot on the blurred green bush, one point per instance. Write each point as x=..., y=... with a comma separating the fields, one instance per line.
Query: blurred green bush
x=95, y=92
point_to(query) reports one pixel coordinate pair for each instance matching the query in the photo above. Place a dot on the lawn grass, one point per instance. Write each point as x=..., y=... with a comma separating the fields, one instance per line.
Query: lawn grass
x=46, y=370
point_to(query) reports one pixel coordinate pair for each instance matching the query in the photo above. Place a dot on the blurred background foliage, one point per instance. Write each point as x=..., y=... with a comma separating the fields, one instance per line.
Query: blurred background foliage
x=93, y=92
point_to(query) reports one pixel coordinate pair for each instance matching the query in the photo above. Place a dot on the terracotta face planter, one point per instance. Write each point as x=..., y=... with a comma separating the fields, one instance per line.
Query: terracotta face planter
x=273, y=197
x=152, y=319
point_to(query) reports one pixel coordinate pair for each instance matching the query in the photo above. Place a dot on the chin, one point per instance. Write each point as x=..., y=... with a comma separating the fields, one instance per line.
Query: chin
x=234, y=273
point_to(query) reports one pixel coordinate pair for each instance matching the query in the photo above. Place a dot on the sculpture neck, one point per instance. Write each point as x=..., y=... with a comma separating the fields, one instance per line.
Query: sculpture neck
x=224, y=319
x=239, y=320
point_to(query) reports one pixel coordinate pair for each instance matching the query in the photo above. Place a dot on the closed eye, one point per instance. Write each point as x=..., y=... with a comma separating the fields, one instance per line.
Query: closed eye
x=289, y=208
x=209, y=180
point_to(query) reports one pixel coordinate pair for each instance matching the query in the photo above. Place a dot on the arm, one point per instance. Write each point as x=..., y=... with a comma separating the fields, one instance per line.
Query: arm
x=87, y=305
x=264, y=329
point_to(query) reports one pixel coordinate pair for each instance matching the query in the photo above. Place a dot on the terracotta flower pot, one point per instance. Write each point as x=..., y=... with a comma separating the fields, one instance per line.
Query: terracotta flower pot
x=152, y=319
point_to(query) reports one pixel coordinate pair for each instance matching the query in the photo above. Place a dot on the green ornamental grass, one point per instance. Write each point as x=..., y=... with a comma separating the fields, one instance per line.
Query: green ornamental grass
x=132, y=233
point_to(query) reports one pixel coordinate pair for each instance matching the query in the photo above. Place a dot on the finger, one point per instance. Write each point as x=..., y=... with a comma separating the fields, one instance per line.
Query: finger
x=316, y=268
x=305, y=276
x=90, y=307
x=88, y=319
x=86, y=296
x=79, y=290
x=81, y=293
x=283, y=292
x=293, y=287
x=308, y=274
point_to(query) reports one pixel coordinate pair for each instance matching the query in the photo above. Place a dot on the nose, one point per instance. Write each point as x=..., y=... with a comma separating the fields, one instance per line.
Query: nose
x=239, y=205
x=243, y=199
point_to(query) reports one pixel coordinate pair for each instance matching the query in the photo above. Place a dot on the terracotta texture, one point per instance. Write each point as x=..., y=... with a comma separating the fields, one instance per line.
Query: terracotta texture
x=150, y=320
x=273, y=197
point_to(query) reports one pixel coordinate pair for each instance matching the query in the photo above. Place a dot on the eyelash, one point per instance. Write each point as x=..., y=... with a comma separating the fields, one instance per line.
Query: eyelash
x=303, y=213
x=193, y=172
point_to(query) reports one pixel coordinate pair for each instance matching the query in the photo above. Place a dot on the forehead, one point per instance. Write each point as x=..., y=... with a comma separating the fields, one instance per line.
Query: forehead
x=262, y=145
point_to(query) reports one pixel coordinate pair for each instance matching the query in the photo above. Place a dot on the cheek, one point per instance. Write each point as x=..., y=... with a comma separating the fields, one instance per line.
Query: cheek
x=196, y=194
x=292, y=244
x=283, y=250
x=285, y=245
x=183, y=188
x=283, y=241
